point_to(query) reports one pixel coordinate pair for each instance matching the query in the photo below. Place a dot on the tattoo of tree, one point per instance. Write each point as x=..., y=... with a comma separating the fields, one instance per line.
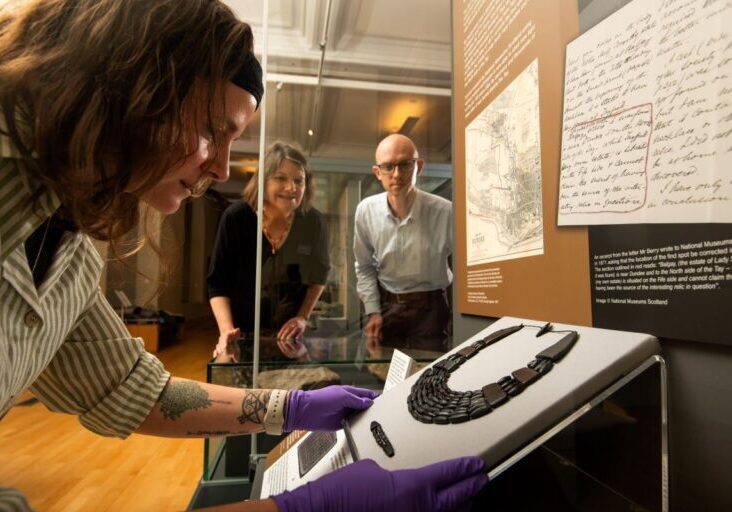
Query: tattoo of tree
x=181, y=396
x=254, y=407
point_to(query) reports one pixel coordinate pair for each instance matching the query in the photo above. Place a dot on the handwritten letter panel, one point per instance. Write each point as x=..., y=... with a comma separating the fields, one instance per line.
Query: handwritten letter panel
x=647, y=134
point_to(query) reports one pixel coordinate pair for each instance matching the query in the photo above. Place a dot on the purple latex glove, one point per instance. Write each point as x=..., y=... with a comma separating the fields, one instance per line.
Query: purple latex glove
x=324, y=409
x=364, y=487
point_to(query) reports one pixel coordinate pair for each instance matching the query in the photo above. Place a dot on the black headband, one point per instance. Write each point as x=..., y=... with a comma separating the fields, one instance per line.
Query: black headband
x=249, y=77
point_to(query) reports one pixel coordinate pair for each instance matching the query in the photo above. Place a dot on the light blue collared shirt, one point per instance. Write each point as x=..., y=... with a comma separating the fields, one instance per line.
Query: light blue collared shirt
x=403, y=256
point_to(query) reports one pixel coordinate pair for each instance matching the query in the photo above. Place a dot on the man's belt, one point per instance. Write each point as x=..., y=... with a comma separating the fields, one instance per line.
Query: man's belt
x=408, y=298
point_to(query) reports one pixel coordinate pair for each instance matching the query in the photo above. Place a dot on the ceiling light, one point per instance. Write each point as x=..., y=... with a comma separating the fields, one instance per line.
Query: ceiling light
x=310, y=132
x=408, y=125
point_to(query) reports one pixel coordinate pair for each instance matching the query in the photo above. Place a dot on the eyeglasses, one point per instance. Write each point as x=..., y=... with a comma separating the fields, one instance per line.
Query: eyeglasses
x=407, y=166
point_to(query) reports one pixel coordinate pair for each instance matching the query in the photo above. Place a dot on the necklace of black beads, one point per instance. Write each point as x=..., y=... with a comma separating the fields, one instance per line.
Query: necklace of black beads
x=432, y=401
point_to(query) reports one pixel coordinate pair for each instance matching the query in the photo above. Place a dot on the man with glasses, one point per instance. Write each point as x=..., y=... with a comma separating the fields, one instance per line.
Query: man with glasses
x=402, y=241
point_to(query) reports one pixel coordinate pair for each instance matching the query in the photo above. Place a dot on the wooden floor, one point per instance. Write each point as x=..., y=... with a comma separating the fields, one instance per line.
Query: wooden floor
x=60, y=466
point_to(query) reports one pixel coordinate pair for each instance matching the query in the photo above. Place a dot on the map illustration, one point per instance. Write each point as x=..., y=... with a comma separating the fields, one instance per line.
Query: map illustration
x=503, y=175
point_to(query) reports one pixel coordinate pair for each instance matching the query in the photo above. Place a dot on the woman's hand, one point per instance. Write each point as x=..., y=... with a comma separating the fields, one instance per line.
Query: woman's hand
x=227, y=349
x=324, y=409
x=293, y=328
x=293, y=348
x=364, y=486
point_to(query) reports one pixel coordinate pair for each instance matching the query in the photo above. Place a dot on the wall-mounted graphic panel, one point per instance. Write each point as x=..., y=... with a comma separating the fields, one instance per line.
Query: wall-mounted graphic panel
x=648, y=117
x=510, y=256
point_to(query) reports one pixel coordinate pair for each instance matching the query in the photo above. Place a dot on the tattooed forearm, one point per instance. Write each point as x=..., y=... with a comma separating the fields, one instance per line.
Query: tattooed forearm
x=198, y=409
x=254, y=407
x=181, y=396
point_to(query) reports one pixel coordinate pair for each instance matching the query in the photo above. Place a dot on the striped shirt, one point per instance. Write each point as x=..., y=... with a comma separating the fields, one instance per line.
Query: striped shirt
x=63, y=341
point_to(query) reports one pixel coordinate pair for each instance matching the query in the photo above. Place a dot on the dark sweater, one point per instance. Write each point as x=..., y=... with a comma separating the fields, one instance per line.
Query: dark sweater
x=301, y=261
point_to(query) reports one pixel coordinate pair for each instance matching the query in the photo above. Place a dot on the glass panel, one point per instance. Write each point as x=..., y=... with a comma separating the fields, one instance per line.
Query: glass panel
x=360, y=73
x=378, y=75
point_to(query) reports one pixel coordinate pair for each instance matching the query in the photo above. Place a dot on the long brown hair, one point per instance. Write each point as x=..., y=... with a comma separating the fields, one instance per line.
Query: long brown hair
x=277, y=153
x=98, y=95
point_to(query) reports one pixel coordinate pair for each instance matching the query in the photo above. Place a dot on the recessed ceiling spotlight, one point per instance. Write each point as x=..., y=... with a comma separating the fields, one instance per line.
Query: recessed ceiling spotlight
x=310, y=132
